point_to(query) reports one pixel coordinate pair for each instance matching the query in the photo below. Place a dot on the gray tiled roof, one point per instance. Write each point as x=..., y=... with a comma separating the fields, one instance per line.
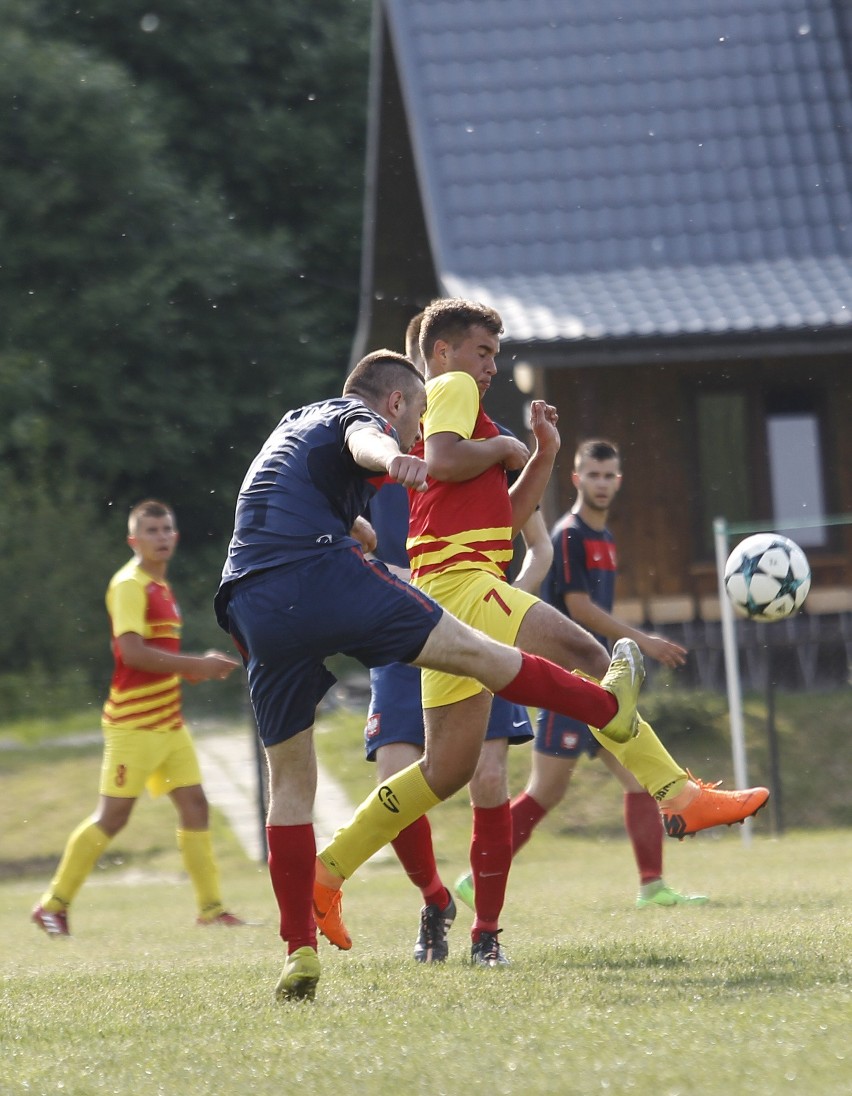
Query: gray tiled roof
x=623, y=168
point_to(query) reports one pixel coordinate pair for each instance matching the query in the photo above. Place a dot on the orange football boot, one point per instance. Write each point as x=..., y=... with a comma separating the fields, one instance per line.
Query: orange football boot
x=330, y=920
x=709, y=807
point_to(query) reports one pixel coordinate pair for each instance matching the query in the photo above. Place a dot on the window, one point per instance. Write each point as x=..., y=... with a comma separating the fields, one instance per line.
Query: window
x=760, y=459
x=795, y=475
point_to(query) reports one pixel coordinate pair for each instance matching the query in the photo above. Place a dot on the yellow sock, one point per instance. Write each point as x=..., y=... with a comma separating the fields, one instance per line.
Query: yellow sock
x=196, y=848
x=82, y=852
x=649, y=761
x=383, y=814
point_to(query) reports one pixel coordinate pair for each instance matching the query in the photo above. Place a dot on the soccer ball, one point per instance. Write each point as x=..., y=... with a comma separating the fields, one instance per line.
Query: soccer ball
x=767, y=577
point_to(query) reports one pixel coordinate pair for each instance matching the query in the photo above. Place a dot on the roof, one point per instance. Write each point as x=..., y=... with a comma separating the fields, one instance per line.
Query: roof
x=611, y=169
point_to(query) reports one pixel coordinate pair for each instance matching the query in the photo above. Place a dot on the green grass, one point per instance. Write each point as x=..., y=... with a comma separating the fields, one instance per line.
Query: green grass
x=750, y=994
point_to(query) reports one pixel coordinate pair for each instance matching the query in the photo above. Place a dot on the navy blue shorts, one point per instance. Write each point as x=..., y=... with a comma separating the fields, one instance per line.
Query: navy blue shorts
x=560, y=736
x=395, y=713
x=287, y=621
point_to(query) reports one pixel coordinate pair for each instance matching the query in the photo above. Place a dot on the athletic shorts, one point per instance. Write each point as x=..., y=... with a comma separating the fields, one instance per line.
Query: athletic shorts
x=484, y=602
x=396, y=714
x=560, y=736
x=288, y=620
x=160, y=761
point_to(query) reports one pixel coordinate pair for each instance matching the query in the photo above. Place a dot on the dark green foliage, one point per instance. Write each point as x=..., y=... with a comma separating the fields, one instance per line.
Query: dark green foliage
x=180, y=226
x=681, y=715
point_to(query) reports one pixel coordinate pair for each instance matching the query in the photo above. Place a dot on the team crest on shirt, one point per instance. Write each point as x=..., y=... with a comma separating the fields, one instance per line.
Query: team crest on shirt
x=570, y=740
x=374, y=726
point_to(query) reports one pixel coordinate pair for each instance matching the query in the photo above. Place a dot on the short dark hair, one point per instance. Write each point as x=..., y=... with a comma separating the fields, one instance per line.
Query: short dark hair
x=450, y=319
x=596, y=449
x=150, y=508
x=412, y=337
x=379, y=373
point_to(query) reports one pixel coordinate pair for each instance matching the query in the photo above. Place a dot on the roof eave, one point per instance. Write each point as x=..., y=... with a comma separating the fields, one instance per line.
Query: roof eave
x=648, y=349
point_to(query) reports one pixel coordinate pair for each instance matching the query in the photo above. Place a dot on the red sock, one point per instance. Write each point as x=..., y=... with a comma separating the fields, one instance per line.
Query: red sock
x=645, y=830
x=490, y=860
x=543, y=684
x=413, y=846
x=292, y=857
x=526, y=815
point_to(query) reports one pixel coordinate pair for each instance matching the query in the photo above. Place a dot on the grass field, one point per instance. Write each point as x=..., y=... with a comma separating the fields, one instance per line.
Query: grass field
x=749, y=994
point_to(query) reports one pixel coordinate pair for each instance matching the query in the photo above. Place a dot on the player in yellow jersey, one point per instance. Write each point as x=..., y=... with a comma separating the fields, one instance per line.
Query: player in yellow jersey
x=395, y=738
x=146, y=742
x=460, y=544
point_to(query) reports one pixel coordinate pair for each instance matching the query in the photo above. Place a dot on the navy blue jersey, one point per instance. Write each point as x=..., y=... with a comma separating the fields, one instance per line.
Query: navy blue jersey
x=302, y=493
x=584, y=561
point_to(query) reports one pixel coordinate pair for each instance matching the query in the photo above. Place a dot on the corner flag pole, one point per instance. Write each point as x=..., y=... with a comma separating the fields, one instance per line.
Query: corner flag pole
x=732, y=669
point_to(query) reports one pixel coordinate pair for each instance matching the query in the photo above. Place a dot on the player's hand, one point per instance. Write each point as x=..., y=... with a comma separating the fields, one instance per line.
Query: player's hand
x=365, y=534
x=516, y=454
x=408, y=470
x=543, y=422
x=211, y=666
x=664, y=650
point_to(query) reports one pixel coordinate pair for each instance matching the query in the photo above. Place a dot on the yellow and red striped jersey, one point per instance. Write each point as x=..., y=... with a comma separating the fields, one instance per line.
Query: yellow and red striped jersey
x=140, y=700
x=463, y=525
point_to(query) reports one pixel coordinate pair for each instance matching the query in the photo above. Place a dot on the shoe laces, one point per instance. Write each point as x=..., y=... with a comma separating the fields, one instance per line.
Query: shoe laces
x=703, y=785
x=433, y=926
x=488, y=946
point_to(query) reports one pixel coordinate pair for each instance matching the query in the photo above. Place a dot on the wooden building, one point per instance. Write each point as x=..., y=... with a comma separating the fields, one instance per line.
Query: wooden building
x=658, y=201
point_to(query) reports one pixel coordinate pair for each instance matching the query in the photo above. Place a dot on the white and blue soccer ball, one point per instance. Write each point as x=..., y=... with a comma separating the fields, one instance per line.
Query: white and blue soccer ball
x=767, y=577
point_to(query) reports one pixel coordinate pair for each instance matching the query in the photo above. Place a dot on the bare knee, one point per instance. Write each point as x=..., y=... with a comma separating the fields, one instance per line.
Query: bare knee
x=113, y=814
x=192, y=807
x=447, y=779
x=394, y=757
x=590, y=656
x=454, y=736
x=549, y=779
x=597, y=658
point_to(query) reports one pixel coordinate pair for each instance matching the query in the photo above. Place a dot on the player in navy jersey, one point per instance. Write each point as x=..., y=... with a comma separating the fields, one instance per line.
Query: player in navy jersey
x=394, y=738
x=581, y=583
x=297, y=588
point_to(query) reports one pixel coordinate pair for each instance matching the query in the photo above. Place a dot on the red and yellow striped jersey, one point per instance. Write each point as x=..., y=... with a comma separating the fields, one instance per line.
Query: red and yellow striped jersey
x=140, y=700
x=463, y=525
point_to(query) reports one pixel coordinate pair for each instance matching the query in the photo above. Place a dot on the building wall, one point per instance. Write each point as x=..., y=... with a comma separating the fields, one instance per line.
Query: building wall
x=650, y=411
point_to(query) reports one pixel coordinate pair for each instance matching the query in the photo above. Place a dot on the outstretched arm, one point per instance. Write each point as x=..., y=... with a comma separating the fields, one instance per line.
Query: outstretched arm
x=211, y=666
x=592, y=617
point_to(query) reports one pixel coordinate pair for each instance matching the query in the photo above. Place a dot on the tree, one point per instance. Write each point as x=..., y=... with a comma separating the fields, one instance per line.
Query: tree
x=265, y=103
x=181, y=225
x=131, y=287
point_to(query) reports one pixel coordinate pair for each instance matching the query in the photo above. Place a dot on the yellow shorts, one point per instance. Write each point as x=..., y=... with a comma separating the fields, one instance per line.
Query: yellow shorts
x=484, y=602
x=160, y=761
